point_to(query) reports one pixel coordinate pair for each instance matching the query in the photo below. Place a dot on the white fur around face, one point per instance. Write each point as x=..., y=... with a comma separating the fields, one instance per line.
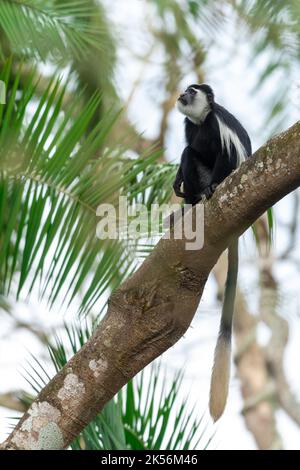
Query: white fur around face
x=198, y=110
x=229, y=137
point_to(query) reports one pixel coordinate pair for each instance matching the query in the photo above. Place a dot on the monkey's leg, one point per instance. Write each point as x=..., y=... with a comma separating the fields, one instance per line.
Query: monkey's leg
x=196, y=176
x=209, y=191
x=178, y=182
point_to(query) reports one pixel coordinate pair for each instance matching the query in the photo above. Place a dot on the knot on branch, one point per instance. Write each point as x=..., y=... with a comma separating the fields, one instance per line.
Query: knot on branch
x=140, y=299
x=188, y=279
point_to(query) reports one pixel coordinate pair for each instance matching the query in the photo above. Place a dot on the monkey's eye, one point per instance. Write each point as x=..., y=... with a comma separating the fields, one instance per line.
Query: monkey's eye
x=192, y=92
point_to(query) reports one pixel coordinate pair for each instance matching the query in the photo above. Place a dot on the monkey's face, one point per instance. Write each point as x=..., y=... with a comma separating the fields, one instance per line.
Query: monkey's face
x=196, y=102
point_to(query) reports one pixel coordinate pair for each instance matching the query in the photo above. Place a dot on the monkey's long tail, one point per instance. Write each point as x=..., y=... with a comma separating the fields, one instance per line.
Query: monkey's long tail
x=221, y=368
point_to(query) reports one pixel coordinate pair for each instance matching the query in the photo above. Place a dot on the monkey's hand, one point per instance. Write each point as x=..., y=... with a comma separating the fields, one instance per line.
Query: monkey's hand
x=178, y=192
x=209, y=191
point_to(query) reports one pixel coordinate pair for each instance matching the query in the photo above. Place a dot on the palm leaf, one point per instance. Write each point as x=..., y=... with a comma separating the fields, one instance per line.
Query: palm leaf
x=277, y=22
x=54, y=173
x=275, y=35
x=50, y=29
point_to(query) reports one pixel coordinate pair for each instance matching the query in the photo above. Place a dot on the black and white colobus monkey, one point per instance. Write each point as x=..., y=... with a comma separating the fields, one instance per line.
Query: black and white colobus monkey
x=217, y=143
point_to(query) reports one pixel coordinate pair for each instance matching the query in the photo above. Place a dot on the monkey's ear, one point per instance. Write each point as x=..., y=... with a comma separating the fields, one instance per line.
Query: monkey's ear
x=210, y=98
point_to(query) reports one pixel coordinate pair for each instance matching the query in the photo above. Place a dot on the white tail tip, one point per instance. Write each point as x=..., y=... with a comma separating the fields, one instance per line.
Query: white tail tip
x=220, y=378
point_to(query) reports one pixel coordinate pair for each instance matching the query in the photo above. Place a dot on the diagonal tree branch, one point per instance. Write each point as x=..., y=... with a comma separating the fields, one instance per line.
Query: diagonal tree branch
x=155, y=306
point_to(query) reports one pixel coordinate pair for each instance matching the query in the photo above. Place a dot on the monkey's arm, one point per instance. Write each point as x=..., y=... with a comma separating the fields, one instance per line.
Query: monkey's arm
x=178, y=182
x=221, y=169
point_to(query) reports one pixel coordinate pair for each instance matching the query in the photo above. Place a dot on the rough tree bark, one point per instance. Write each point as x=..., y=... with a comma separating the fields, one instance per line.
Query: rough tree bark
x=156, y=305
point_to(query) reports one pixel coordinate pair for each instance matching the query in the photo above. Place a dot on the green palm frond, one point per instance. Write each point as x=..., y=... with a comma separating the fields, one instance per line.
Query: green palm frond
x=146, y=414
x=54, y=173
x=209, y=17
x=49, y=29
x=275, y=35
x=98, y=74
x=277, y=22
x=271, y=225
x=4, y=305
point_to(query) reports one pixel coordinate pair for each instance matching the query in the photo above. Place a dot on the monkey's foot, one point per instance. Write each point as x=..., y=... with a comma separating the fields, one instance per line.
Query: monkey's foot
x=177, y=190
x=180, y=194
x=209, y=191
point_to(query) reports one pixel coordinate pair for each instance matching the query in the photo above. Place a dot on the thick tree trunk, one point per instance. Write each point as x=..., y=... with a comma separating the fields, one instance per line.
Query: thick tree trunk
x=155, y=306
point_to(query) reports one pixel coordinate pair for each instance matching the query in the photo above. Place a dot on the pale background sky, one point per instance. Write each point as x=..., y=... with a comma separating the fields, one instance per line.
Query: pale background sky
x=232, y=77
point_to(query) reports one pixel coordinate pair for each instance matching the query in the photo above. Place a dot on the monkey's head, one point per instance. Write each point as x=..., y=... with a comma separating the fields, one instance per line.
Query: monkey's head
x=196, y=102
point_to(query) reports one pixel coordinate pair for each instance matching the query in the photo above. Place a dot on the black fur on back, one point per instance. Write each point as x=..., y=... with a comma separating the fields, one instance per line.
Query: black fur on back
x=206, y=161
